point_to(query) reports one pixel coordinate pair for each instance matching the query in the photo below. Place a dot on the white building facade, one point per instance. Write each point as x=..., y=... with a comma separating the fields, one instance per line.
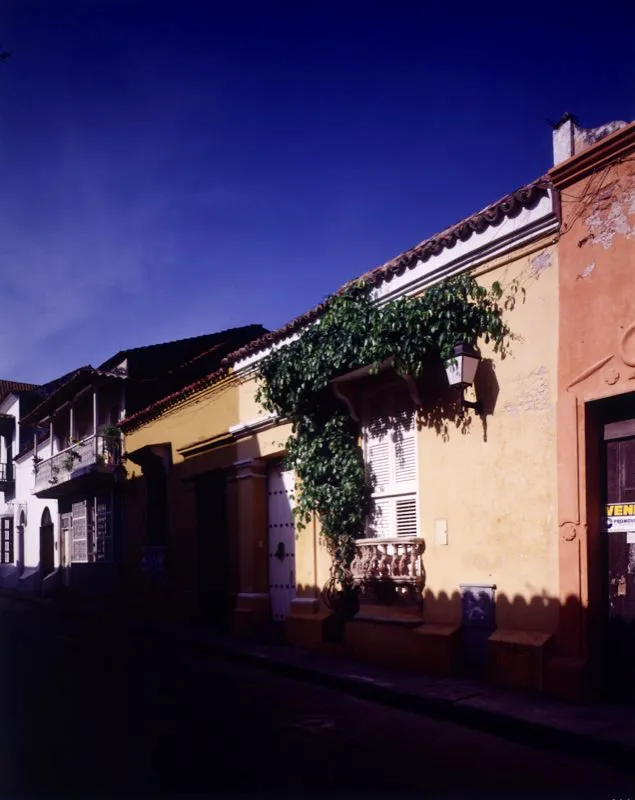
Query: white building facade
x=29, y=526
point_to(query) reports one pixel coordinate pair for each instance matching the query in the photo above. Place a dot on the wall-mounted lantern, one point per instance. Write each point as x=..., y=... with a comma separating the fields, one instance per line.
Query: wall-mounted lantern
x=461, y=370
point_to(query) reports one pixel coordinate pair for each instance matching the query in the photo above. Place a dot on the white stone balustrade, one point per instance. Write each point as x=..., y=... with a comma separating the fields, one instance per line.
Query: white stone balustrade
x=395, y=559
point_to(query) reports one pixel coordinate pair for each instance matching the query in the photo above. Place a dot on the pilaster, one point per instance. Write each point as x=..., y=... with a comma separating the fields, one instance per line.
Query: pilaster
x=250, y=525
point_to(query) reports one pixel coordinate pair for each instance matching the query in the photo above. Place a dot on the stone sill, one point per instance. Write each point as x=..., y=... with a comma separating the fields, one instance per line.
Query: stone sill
x=388, y=615
x=389, y=540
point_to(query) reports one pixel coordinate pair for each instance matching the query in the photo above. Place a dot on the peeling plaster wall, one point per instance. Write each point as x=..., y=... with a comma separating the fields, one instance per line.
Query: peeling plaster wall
x=597, y=263
x=611, y=214
x=596, y=254
x=531, y=393
x=541, y=261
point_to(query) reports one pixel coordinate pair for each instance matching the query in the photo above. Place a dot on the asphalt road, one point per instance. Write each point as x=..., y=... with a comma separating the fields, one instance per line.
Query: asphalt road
x=97, y=712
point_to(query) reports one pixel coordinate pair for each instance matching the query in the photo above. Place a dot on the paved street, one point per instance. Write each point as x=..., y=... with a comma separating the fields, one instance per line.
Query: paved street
x=101, y=713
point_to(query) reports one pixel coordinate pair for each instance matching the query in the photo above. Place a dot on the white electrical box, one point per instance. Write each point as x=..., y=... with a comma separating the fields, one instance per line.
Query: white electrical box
x=440, y=532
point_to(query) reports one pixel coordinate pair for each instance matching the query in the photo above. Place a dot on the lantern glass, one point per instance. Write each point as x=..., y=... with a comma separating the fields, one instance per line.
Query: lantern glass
x=461, y=367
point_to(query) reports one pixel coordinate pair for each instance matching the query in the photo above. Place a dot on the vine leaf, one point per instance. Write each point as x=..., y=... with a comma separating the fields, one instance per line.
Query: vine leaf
x=324, y=448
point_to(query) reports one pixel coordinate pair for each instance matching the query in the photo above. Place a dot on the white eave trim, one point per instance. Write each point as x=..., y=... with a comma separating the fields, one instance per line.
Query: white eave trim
x=510, y=233
x=244, y=365
x=254, y=425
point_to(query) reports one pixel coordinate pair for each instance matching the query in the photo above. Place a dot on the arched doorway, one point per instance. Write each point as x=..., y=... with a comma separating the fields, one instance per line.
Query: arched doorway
x=21, y=540
x=47, y=547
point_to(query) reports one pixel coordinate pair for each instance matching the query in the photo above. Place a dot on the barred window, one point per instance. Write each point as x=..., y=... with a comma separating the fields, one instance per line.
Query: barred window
x=6, y=543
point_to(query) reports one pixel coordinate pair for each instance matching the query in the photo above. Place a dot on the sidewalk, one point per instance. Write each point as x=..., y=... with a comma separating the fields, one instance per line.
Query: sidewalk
x=599, y=732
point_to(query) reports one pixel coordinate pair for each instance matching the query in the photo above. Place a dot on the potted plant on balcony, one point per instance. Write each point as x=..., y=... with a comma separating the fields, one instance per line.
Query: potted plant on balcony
x=69, y=460
x=111, y=436
x=36, y=464
x=55, y=470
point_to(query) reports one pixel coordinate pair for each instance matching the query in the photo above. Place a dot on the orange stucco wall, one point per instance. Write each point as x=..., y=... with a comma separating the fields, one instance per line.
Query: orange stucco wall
x=596, y=355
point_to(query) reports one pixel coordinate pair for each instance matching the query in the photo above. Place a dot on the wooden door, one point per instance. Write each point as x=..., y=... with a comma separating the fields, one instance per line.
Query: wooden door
x=47, y=544
x=620, y=536
x=22, y=543
x=47, y=549
x=212, y=561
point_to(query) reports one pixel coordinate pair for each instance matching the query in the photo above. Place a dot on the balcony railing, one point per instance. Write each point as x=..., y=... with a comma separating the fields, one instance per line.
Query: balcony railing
x=6, y=473
x=389, y=570
x=93, y=450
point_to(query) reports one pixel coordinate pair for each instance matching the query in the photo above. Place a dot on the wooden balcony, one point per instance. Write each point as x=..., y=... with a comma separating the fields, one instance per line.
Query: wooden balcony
x=7, y=479
x=94, y=454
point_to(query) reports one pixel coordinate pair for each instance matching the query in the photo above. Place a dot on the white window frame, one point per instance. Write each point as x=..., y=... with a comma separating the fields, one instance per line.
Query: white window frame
x=389, y=492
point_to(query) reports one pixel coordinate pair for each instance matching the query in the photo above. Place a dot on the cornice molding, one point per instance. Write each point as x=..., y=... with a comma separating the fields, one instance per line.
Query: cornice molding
x=496, y=241
x=212, y=443
x=605, y=152
x=255, y=426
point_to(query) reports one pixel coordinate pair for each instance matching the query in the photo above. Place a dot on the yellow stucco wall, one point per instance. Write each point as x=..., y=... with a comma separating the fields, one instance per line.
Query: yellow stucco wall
x=249, y=408
x=312, y=560
x=200, y=418
x=496, y=485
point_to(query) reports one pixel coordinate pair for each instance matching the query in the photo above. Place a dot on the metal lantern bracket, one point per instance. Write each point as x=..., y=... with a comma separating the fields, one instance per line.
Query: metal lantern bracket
x=477, y=405
x=461, y=370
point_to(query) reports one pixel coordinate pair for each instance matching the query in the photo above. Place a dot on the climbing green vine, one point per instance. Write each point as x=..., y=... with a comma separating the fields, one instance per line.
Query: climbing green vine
x=354, y=332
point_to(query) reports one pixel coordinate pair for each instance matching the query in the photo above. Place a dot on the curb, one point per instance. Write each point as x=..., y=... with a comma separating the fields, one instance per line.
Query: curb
x=544, y=737
x=522, y=731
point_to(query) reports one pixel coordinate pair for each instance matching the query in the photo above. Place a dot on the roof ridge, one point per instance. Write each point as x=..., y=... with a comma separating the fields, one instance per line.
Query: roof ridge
x=432, y=245
x=155, y=409
x=162, y=404
x=61, y=382
x=184, y=339
x=505, y=204
x=20, y=383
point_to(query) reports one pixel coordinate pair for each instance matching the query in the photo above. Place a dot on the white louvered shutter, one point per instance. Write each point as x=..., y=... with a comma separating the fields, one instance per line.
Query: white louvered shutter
x=103, y=528
x=79, y=543
x=379, y=463
x=380, y=520
x=405, y=458
x=390, y=450
x=406, y=516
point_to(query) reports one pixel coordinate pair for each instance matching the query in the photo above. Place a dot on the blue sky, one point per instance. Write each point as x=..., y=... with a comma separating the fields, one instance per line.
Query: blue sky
x=175, y=167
